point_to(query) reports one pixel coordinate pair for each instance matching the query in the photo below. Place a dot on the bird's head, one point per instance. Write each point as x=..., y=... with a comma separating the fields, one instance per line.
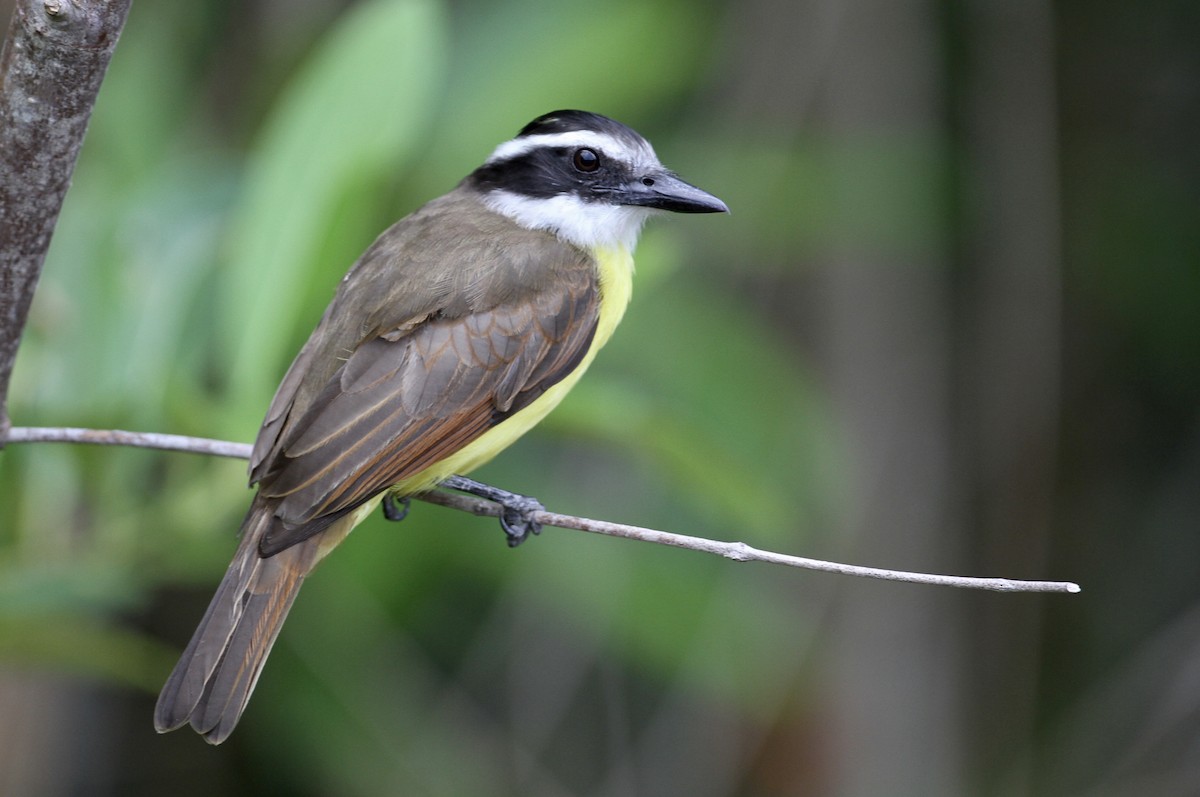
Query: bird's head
x=588, y=179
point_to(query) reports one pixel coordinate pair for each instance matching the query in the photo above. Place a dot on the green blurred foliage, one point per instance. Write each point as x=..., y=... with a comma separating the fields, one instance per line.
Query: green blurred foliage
x=241, y=155
x=192, y=258
x=333, y=137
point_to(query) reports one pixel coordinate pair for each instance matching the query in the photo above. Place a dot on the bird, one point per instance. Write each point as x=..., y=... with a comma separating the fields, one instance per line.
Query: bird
x=455, y=332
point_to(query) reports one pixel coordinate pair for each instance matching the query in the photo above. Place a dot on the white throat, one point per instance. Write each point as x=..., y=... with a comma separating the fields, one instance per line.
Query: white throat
x=588, y=225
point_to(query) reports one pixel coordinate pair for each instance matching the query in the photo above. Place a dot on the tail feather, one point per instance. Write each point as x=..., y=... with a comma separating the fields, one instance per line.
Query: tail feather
x=214, y=678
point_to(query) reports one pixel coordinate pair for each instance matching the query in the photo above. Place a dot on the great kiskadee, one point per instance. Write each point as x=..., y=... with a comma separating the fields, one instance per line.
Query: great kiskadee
x=458, y=329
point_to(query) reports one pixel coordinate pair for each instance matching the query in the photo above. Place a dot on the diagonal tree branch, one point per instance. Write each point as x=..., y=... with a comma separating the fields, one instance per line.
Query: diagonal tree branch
x=54, y=59
x=737, y=551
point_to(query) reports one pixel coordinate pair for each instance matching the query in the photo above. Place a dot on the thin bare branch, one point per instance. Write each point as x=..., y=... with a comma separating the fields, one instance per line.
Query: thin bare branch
x=737, y=551
x=116, y=437
x=741, y=552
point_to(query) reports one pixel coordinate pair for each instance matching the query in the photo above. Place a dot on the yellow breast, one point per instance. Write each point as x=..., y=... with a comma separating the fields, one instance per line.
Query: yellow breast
x=615, y=269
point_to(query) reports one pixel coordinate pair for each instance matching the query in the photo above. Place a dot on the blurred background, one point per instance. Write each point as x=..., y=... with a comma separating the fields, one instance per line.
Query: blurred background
x=952, y=325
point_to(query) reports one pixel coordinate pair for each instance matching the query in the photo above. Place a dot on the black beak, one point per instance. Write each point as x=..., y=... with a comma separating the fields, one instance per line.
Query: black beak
x=665, y=191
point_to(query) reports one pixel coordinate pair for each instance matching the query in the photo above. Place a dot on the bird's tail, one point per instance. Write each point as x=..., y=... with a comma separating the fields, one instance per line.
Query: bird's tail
x=212, y=682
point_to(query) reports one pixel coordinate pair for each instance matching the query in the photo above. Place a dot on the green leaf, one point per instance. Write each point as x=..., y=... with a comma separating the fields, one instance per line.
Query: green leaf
x=353, y=112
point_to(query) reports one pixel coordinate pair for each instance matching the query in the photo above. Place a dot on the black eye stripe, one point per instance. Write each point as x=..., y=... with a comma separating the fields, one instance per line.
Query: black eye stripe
x=550, y=171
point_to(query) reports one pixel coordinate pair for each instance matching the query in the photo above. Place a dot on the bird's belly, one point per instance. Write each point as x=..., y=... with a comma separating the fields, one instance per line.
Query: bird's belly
x=615, y=268
x=480, y=450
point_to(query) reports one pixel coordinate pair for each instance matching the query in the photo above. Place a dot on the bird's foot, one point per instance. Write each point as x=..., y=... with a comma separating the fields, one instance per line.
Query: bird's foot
x=516, y=511
x=395, y=509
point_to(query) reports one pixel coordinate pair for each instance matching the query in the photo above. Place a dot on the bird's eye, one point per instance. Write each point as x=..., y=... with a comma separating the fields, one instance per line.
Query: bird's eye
x=586, y=160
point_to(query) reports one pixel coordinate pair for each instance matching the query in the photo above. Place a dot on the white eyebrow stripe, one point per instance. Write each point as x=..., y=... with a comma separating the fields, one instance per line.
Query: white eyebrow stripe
x=576, y=138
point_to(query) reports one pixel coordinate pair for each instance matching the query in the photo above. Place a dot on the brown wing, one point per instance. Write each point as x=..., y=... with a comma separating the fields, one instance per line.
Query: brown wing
x=405, y=400
x=451, y=259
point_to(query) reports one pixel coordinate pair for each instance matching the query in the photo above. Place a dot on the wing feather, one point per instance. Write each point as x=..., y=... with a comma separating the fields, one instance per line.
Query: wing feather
x=396, y=407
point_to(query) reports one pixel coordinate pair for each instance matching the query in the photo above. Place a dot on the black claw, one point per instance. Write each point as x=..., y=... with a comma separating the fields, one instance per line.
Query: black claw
x=516, y=520
x=395, y=509
x=515, y=517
